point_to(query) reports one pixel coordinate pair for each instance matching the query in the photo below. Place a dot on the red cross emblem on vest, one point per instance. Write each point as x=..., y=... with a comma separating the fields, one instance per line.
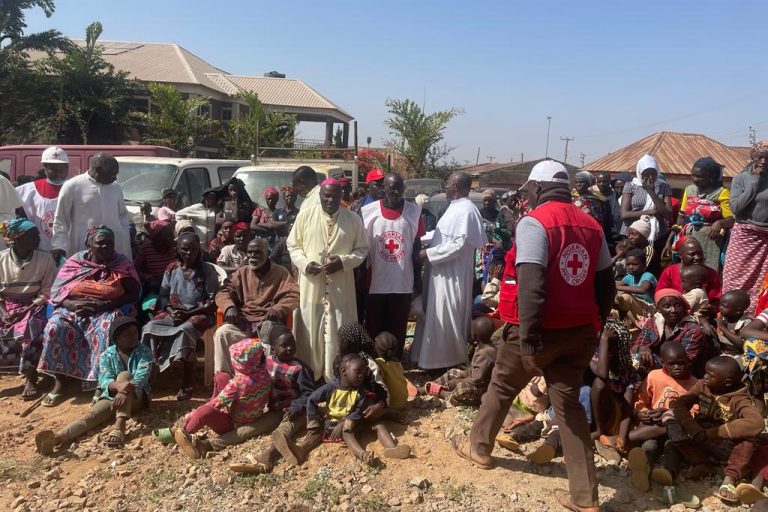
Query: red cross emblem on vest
x=574, y=264
x=391, y=247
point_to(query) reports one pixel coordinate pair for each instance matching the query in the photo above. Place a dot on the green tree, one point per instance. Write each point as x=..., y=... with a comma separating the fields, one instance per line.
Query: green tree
x=274, y=129
x=28, y=111
x=174, y=121
x=418, y=135
x=94, y=99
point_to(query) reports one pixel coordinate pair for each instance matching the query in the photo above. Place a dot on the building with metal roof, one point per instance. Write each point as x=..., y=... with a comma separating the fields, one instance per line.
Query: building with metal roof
x=509, y=175
x=172, y=64
x=675, y=153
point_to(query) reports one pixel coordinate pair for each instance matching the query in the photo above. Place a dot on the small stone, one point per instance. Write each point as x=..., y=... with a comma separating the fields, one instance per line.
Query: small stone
x=514, y=497
x=34, y=484
x=80, y=493
x=416, y=498
x=18, y=501
x=366, y=489
x=394, y=501
x=344, y=507
x=420, y=482
x=53, y=474
x=678, y=507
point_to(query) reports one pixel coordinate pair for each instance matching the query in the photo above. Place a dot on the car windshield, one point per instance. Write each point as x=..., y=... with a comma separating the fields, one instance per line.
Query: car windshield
x=145, y=181
x=422, y=186
x=256, y=182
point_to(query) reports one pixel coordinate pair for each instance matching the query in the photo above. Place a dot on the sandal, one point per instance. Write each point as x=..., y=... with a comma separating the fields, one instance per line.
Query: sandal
x=252, y=467
x=188, y=444
x=662, y=476
x=563, y=497
x=30, y=392
x=727, y=498
x=638, y=467
x=433, y=388
x=607, y=451
x=184, y=394
x=52, y=399
x=115, y=438
x=458, y=441
x=506, y=441
x=45, y=442
x=749, y=494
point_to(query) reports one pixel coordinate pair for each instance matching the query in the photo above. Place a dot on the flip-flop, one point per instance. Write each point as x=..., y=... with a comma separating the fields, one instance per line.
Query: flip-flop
x=433, y=388
x=115, y=438
x=662, y=476
x=506, y=441
x=609, y=453
x=563, y=497
x=52, y=399
x=29, y=395
x=749, y=494
x=256, y=468
x=45, y=442
x=638, y=467
x=186, y=444
x=457, y=442
x=543, y=454
x=727, y=499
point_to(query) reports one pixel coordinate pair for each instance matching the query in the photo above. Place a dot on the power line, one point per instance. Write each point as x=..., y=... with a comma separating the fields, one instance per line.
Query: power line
x=567, y=140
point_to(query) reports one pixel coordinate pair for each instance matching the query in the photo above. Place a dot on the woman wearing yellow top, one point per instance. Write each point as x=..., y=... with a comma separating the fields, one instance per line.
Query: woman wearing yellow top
x=705, y=211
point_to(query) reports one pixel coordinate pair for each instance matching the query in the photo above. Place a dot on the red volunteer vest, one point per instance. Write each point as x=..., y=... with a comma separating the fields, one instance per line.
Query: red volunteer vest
x=575, y=240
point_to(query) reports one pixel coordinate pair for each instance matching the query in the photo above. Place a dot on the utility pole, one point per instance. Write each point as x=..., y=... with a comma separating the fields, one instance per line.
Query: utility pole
x=522, y=157
x=549, y=122
x=490, y=159
x=751, y=135
x=582, y=156
x=567, y=140
x=477, y=160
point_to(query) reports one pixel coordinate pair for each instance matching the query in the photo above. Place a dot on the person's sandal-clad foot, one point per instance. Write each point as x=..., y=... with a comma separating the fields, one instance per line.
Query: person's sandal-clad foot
x=563, y=497
x=463, y=449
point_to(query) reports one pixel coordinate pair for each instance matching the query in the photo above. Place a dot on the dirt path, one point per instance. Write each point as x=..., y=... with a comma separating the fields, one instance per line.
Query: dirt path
x=147, y=476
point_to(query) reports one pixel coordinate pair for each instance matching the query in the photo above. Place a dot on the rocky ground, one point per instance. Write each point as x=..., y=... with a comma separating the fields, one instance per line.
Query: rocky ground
x=148, y=476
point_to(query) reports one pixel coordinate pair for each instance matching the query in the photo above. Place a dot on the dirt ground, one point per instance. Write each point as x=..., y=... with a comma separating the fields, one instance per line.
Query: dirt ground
x=148, y=476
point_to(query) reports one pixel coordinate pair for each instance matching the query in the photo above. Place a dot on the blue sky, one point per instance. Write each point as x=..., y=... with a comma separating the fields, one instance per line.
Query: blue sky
x=608, y=73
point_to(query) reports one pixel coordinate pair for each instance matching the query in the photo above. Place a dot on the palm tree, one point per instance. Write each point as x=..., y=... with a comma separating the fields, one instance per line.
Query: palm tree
x=12, y=25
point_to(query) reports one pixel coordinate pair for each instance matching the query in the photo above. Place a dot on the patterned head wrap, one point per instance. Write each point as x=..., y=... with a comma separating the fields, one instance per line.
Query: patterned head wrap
x=286, y=188
x=354, y=338
x=758, y=148
x=98, y=230
x=241, y=226
x=14, y=229
x=270, y=191
x=181, y=225
x=622, y=350
x=155, y=227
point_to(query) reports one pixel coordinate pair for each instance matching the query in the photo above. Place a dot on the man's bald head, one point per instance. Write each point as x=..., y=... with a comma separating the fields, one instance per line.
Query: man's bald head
x=104, y=168
x=459, y=184
x=304, y=180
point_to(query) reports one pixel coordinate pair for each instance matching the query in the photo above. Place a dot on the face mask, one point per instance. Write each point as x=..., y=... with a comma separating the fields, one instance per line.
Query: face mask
x=55, y=182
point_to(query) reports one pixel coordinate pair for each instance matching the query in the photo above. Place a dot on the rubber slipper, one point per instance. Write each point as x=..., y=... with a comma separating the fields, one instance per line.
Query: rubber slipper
x=458, y=442
x=563, y=497
x=749, y=494
x=164, y=435
x=115, y=438
x=401, y=451
x=609, y=453
x=662, y=476
x=45, y=442
x=433, y=388
x=257, y=468
x=638, y=467
x=506, y=441
x=727, y=488
x=29, y=395
x=52, y=399
x=186, y=444
x=543, y=454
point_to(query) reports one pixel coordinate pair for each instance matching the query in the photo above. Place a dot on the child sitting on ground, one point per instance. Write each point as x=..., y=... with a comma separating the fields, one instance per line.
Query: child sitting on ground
x=344, y=411
x=725, y=426
x=292, y=383
x=466, y=387
x=386, y=348
x=634, y=297
x=655, y=394
x=124, y=375
x=236, y=411
x=613, y=390
x=730, y=321
x=693, y=278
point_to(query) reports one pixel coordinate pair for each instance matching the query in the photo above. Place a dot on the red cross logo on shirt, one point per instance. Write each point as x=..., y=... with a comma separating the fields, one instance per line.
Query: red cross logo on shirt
x=391, y=246
x=574, y=264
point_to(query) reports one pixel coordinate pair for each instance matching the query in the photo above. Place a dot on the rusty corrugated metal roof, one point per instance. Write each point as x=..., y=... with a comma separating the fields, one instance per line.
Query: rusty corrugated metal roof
x=675, y=152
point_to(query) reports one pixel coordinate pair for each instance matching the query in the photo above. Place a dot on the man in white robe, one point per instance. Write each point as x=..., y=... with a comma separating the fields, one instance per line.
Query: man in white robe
x=40, y=197
x=304, y=183
x=441, y=337
x=91, y=199
x=326, y=243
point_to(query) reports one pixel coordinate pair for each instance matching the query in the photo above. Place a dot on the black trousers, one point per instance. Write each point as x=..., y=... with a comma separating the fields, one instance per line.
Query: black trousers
x=388, y=312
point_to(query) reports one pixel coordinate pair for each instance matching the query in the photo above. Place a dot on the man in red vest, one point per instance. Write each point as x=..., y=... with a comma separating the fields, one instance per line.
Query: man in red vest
x=566, y=288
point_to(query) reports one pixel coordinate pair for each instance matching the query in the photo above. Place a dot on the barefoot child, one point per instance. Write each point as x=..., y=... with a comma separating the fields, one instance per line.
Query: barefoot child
x=634, y=293
x=466, y=387
x=344, y=400
x=124, y=371
x=693, y=278
x=730, y=321
x=725, y=427
x=292, y=383
x=656, y=392
x=236, y=413
x=387, y=347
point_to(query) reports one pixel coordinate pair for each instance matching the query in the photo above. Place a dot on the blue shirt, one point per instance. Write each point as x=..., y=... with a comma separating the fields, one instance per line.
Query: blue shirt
x=629, y=280
x=139, y=364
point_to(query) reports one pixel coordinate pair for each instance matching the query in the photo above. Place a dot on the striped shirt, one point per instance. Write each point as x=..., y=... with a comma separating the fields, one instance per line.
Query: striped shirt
x=149, y=261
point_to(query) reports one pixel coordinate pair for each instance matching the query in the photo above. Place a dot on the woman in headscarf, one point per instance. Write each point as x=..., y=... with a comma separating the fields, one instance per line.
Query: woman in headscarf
x=92, y=288
x=746, y=259
x=705, y=211
x=237, y=206
x=155, y=254
x=673, y=322
x=186, y=310
x=26, y=276
x=263, y=224
x=649, y=195
x=585, y=198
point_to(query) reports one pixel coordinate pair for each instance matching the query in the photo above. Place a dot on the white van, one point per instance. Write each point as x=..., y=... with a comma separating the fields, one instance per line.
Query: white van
x=258, y=178
x=144, y=177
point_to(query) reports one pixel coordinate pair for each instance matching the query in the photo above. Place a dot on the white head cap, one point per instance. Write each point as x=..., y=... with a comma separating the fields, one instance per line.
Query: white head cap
x=547, y=171
x=54, y=155
x=421, y=199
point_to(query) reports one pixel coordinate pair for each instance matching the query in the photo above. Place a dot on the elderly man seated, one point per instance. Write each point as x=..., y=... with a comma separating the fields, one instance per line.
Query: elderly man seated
x=253, y=294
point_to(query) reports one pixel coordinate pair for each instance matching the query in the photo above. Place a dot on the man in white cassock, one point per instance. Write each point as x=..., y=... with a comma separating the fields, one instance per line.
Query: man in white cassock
x=441, y=336
x=326, y=243
x=91, y=199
